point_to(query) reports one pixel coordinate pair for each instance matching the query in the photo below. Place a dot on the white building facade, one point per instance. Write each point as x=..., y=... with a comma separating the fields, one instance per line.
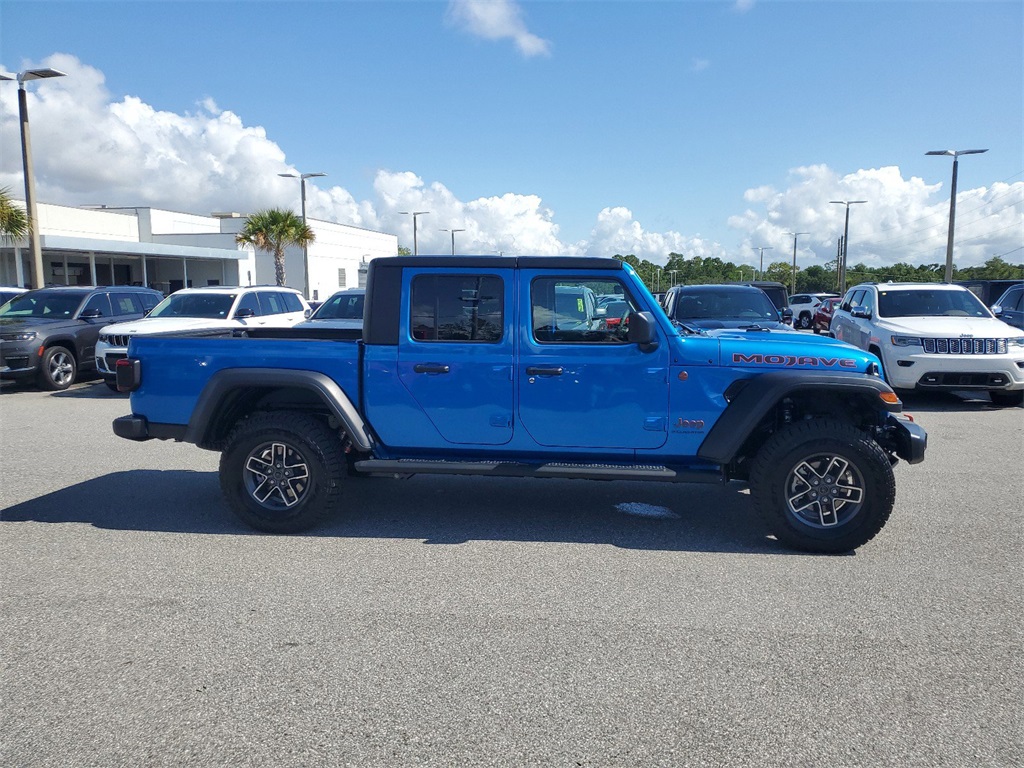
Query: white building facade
x=169, y=250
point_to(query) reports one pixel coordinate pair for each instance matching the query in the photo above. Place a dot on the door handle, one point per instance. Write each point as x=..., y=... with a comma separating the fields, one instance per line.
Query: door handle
x=430, y=368
x=544, y=371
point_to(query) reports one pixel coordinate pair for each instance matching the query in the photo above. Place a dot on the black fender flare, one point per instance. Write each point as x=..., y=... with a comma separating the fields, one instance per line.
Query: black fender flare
x=228, y=379
x=758, y=395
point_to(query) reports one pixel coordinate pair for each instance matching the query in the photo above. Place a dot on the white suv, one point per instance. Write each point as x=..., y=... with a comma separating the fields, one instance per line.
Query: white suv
x=804, y=305
x=933, y=336
x=196, y=309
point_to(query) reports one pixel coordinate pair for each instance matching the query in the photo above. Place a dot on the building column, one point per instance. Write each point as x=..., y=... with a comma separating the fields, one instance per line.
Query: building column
x=184, y=271
x=145, y=275
x=19, y=269
x=67, y=277
x=92, y=267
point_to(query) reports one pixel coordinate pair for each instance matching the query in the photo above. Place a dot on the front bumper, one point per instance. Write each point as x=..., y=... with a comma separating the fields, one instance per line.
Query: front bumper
x=909, y=370
x=18, y=360
x=908, y=439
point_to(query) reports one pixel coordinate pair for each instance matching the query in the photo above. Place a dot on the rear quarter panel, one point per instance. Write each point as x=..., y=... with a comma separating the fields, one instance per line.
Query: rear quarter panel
x=175, y=370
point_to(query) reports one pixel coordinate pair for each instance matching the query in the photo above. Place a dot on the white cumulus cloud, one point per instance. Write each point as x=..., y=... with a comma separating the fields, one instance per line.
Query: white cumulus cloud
x=94, y=148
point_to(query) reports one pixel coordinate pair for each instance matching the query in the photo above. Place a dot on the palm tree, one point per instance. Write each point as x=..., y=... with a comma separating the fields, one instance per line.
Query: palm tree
x=272, y=231
x=14, y=223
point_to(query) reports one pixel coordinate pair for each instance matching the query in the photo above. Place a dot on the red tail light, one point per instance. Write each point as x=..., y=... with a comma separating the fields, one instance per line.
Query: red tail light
x=129, y=374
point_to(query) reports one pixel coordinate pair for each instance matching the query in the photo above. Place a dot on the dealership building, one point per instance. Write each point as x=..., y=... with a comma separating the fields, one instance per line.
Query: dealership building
x=169, y=250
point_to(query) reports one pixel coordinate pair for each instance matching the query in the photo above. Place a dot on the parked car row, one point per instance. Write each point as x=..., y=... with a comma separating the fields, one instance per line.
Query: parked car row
x=53, y=335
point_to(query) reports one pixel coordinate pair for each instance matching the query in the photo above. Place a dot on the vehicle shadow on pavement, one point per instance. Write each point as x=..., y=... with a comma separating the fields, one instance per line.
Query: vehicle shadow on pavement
x=437, y=510
x=964, y=402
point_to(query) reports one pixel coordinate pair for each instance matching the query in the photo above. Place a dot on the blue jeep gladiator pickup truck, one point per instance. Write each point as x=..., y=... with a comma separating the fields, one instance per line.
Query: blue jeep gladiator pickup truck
x=496, y=366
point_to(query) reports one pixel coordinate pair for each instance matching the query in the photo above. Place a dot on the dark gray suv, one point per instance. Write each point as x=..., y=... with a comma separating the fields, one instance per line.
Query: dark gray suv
x=50, y=334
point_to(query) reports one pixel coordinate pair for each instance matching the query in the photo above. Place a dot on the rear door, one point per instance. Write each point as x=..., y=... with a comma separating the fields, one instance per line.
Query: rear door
x=455, y=352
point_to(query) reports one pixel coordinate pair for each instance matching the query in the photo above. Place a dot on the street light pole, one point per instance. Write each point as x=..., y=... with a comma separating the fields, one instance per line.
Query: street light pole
x=34, y=244
x=453, y=231
x=305, y=251
x=846, y=240
x=795, y=236
x=762, y=249
x=955, y=154
x=414, y=214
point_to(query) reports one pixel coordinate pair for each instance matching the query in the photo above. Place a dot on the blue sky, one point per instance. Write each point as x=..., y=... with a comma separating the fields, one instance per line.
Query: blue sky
x=542, y=127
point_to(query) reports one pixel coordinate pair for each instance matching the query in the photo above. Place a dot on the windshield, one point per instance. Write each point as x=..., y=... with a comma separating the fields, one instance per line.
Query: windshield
x=341, y=306
x=43, y=304
x=929, y=303
x=725, y=305
x=208, y=305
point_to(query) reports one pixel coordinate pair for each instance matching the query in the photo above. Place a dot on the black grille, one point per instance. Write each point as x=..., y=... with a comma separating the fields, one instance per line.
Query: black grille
x=115, y=339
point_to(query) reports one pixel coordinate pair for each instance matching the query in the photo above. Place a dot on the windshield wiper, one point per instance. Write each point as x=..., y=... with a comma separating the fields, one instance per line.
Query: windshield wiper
x=694, y=330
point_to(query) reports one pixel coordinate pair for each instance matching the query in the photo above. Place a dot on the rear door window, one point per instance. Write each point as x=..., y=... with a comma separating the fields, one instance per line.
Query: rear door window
x=125, y=304
x=457, y=308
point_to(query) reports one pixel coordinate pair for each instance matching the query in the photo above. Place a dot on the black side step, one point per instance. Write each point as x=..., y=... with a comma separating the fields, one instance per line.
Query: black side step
x=514, y=469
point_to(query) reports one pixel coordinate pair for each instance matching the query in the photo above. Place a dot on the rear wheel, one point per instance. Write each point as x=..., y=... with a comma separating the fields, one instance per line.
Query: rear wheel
x=1007, y=399
x=823, y=486
x=804, y=321
x=282, y=472
x=57, y=369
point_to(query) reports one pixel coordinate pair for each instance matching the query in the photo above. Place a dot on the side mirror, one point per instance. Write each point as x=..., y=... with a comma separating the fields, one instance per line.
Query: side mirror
x=244, y=312
x=643, y=331
x=862, y=312
x=90, y=314
x=307, y=313
x=997, y=310
x=787, y=316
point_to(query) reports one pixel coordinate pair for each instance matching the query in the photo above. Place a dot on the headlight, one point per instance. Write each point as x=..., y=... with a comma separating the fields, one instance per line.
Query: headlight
x=27, y=336
x=906, y=341
x=1017, y=342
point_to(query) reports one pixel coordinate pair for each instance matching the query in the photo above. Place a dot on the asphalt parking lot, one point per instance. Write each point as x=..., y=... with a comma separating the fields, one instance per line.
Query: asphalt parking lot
x=471, y=621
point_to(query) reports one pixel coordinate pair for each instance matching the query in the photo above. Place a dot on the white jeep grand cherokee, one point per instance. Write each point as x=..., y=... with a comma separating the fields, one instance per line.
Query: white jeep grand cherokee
x=933, y=336
x=195, y=309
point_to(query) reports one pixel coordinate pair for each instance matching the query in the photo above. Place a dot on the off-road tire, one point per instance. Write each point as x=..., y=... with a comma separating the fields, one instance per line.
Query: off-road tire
x=57, y=369
x=1007, y=399
x=853, y=486
x=303, y=466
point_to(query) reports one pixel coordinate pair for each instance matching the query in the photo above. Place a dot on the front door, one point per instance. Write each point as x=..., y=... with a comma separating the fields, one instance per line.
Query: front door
x=581, y=383
x=455, y=355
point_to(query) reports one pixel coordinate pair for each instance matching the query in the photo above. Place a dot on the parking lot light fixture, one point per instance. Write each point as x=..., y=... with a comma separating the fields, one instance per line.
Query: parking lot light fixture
x=305, y=248
x=955, y=154
x=795, y=236
x=846, y=239
x=761, y=249
x=453, y=231
x=38, y=276
x=414, y=214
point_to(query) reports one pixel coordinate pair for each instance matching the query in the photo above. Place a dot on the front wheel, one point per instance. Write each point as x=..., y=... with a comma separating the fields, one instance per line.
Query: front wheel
x=823, y=486
x=281, y=472
x=57, y=369
x=1007, y=399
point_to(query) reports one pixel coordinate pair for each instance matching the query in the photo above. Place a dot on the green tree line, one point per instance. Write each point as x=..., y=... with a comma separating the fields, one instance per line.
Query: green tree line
x=813, y=279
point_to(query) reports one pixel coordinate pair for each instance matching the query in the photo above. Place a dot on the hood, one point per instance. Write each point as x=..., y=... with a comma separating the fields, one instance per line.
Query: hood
x=951, y=327
x=793, y=350
x=15, y=324
x=148, y=325
x=739, y=323
x=331, y=322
